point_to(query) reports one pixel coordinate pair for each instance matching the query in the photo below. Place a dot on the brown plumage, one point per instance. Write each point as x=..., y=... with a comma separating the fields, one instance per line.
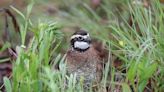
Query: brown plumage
x=85, y=64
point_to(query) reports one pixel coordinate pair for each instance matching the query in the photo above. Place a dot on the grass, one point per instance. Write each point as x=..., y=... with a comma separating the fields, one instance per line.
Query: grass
x=139, y=46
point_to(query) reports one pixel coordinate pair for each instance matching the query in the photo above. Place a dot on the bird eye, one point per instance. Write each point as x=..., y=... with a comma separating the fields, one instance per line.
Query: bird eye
x=80, y=38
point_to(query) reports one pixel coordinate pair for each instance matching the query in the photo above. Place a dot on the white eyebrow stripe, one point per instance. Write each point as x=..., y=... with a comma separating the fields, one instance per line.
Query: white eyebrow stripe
x=76, y=36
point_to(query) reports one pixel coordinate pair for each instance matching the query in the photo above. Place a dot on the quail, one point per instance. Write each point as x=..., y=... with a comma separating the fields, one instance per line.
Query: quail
x=83, y=60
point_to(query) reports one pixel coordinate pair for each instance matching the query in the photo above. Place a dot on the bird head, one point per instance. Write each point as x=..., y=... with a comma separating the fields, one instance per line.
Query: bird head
x=80, y=41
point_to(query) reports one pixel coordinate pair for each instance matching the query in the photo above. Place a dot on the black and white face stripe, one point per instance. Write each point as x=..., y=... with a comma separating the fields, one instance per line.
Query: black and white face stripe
x=80, y=40
x=80, y=36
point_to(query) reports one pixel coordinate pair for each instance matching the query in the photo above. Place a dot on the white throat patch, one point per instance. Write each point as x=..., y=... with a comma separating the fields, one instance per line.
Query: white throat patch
x=81, y=45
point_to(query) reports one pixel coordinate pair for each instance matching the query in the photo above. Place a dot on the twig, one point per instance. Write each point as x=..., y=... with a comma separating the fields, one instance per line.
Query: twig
x=14, y=21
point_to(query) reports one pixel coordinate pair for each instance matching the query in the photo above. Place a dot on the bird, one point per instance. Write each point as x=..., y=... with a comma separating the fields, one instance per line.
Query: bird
x=83, y=60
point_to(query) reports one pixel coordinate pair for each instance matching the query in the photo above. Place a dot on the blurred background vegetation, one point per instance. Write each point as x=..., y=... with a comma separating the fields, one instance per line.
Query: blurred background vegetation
x=132, y=31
